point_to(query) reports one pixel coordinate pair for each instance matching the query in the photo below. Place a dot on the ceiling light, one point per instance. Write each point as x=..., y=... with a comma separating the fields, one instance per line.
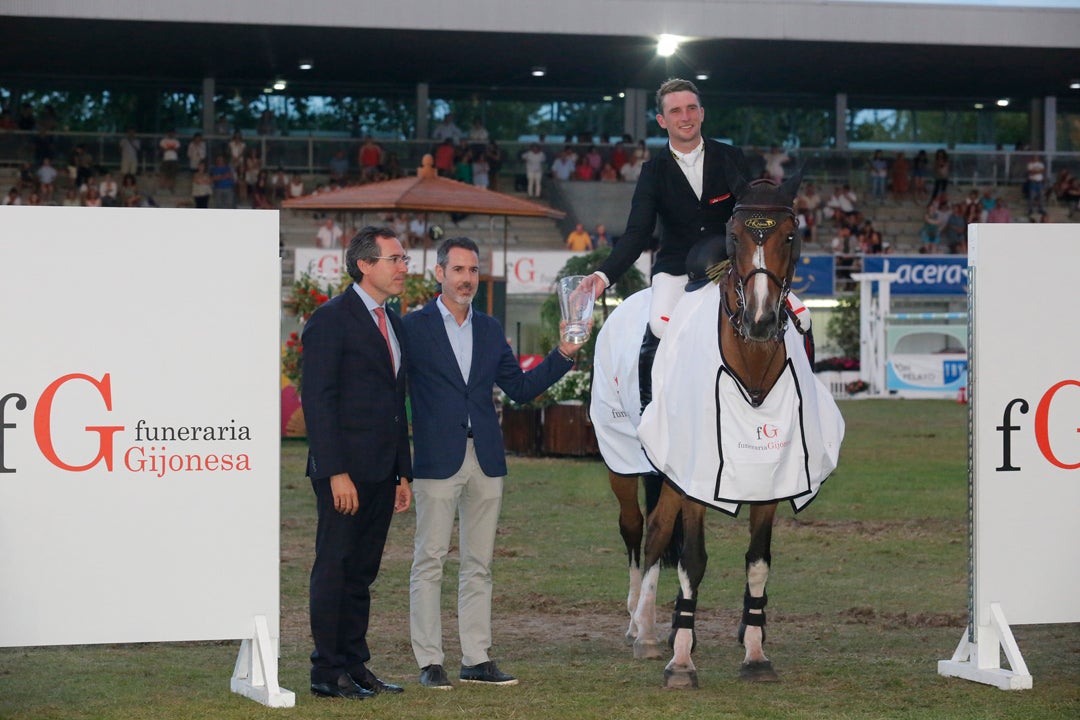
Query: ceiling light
x=307, y=64
x=666, y=45
x=1074, y=85
x=539, y=71
x=1003, y=102
x=279, y=84
x=702, y=75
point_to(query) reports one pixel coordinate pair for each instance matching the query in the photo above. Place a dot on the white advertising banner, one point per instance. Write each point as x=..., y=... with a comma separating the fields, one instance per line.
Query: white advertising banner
x=139, y=429
x=1025, y=450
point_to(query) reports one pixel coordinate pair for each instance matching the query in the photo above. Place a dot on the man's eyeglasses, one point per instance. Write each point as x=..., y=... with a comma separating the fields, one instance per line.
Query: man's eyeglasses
x=394, y=259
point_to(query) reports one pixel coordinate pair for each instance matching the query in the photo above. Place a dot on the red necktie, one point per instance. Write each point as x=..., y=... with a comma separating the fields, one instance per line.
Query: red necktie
x=386, y=334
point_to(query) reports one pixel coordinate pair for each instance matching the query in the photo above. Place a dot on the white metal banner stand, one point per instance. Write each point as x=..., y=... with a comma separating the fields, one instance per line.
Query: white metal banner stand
x=981, y=660
x=255, y=673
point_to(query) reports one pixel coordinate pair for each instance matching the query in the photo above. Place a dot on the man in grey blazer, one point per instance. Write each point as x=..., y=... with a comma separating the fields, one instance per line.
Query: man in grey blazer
x=456, y=355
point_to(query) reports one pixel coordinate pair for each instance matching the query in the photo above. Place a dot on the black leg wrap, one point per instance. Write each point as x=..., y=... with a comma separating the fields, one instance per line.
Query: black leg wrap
x=683, y=616
x=754, y=619
x=649, y=343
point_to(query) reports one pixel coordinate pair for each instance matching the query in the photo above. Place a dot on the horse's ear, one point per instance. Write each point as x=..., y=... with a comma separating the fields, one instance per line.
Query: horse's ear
x=790, y=187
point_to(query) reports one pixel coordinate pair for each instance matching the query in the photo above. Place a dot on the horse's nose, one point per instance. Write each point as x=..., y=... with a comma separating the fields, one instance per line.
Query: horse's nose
x=762, y=326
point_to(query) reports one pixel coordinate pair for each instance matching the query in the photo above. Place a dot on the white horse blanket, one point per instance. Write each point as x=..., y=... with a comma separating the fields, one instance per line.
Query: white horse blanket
x=701, y=431
x=615, y=408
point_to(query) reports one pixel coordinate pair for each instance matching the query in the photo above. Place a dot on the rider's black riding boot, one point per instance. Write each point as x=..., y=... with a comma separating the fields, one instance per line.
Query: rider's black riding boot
x=649, y=344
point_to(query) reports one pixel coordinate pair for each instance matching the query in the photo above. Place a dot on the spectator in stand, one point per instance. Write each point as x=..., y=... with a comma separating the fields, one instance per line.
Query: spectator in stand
x=601, y=239
x=296, y=186
x=13, y=197
x=444, y=158
x=494, y=156
x=417, y=230
x=608, y=174
x=941, y=174
x=842, y=204
x=1071, y=197
x=339, y=167
x=201, y=187
x=261, y=194
x=224, y=184
x=71, y=198
x=370, y=159
x=329, y=235
x=1036, y=181
x=954, y=233
x=46, y=175
x=619, y=156
x=809, y=201
x=478, y=137
x=26, y=120
x=1000, y=212
x=129, y=153
x=237, y=152
x=579, y=240
x=920, y=171
x=463, y=164
x=879, y=175
x=899, y=177
x=641, y=153
x=934, y=219
x=584, y=170
x=1061, y=185
x=595, y=160
x=91, y=198
x=564, y=164
x=631, y=171
x=170, y=159
x=266, y=123
x=252, y=168
x=774, y=163
x=129, y=192
x=480, y=169
x=987, y=203
x=196, y=152
x=535, y=160
x=109, y=191
x=279, y=185
x=447, y=130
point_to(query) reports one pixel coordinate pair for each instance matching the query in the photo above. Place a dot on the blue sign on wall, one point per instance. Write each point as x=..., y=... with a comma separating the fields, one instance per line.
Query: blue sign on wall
x=814, y=275
x=935, y=275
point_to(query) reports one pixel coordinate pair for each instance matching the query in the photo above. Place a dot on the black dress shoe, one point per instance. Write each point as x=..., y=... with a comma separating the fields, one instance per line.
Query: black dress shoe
x=434, y=676
x=343, y=687
x=486, y=674
x=367, y=680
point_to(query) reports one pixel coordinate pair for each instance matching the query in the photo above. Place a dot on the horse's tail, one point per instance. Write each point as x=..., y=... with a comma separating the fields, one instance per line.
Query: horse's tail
x=671, y=554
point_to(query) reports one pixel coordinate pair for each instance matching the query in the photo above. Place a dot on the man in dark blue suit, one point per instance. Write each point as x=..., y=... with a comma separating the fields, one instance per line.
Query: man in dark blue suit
x=456, y=355
x=358, y=459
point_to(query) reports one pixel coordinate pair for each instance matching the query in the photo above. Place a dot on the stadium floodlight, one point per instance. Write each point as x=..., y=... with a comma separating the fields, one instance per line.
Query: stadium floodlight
x=1074, y=85
x=539, y=71
x=667, y=45
x=307, y=64
x=702, y=75
x=1003, y=102
x=279, y=84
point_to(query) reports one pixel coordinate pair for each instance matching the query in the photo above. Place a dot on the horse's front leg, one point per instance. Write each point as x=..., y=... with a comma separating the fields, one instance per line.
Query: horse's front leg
x=658, y=533
x=632, y=529
x=756, y=666
x=681, y=672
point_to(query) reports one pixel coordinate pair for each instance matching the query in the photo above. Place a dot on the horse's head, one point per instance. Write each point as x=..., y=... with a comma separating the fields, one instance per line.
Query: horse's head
x=763, y=245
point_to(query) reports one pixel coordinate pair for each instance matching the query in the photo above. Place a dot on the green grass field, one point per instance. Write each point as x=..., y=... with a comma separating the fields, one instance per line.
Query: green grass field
x=868, y=591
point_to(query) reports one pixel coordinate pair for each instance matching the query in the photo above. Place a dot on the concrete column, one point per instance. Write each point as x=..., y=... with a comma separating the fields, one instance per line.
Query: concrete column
x=208, y=110
x=635, y=107
x=841, y=121
x=1049, y=133
x=421, y=111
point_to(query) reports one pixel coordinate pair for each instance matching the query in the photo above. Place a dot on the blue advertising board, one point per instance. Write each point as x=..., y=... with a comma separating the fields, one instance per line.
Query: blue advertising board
x=814, y=275
x=922, y=275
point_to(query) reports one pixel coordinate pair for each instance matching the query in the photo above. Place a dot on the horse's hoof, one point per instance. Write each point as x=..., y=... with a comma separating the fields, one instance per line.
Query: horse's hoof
x=758, y=671
x=680, y=679
x=648, y=650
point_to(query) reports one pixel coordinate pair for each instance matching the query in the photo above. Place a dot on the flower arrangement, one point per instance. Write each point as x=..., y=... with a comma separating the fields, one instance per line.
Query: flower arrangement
x=574, y=386
x=856, y=386
x=837, y=364
x=308, y=293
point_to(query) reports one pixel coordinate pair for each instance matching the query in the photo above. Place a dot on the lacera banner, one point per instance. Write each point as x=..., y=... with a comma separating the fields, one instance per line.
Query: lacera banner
x=139, y=451
x=922, y=274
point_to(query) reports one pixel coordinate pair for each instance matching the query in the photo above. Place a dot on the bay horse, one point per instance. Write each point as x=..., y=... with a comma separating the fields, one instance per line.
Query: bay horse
x=729, y=352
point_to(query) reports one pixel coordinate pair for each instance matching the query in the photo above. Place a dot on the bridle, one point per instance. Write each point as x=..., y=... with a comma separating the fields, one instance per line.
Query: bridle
x=761, y=222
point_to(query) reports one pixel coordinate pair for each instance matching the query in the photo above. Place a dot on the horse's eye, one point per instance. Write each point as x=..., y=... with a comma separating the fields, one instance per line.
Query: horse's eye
x=790, y=239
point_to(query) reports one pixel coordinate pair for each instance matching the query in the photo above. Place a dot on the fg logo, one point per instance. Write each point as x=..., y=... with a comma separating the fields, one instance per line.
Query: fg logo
x=1045, y=425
